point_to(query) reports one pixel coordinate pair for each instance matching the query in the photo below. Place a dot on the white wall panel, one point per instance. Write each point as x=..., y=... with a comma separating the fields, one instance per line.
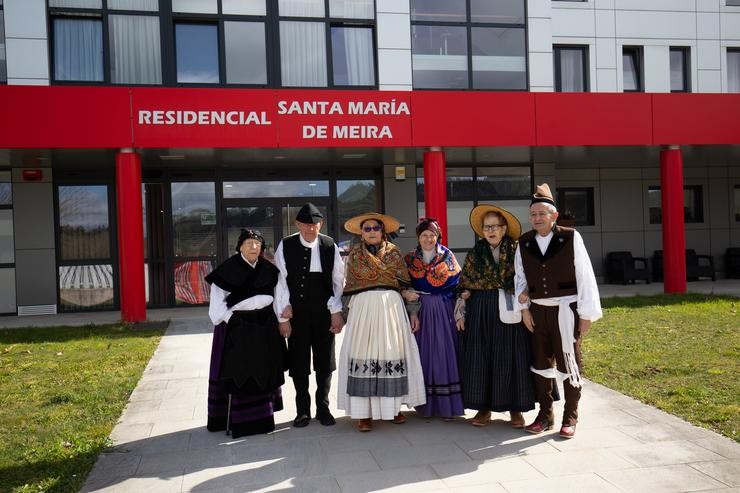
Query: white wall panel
x=541, y=69
x=25, y=19
x=394, y=67
x=605, y=23
x=604, y=4
x=397, y=6
x=708, y=54
x=539, y=8
x=394, y=31
x=707, y=5
x=707, y=25
x=606, y=53
x=27, y=82
x=675, y=5
x=573, y=22
x=27, y=58
x=606, y=80
x=540, y=35
x=651, y=25
x=730, y=22
x=709, y=81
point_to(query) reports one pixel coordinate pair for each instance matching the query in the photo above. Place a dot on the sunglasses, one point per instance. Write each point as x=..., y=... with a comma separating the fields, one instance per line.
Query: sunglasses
x=367, y=229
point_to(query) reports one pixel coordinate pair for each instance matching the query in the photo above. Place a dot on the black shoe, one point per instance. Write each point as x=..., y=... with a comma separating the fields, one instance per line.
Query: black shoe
x=326, y=419
x=301, y=421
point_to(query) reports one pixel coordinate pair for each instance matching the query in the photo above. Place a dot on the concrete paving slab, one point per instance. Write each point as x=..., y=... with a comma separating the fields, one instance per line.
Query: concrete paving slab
x=727, y=472
x=414, y=455
x=577, y=462
x=413, y=479
x=720, y=445
x=665, y=453
x=590, y=483
x=661, y=479
x=469, y=473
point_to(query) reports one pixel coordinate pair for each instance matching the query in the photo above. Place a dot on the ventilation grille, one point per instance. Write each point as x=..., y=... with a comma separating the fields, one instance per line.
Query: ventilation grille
x=37, y=310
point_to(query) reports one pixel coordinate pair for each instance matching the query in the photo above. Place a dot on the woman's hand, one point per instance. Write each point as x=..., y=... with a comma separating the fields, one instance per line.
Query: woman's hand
x=460, y=325
x=528, y=320
x=524, y=297
x=415, y=325
x=285, y=329
x=465, y=294
x=287, y=312
x=410, y=295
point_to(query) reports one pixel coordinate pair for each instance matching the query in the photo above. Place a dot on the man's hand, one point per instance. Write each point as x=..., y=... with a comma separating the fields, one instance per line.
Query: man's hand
x=414, y=323
x=528, y=320
x=287, y=312
x=285, y=329
x=410, y=295
x=465, y=294
x=460, y=325
x=337, y=323
x=524, y=297
x=584, y=326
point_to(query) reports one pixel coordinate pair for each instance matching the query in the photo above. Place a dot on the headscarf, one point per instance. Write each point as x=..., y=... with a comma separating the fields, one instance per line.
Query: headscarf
x=481, y=271
x=366, y=270
x=250, y=234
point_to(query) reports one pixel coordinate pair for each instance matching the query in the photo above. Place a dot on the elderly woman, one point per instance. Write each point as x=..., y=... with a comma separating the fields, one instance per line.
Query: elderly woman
x=248, y=352
x=434, y=275
x=494, y=346
x=379, y=368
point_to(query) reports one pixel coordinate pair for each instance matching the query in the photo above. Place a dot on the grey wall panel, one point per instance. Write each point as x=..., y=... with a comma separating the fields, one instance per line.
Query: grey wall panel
x=699, y=240
x=36, y=278
x=621, y=205
x=624, y=241
x=33, y=215
x=717, y=197
x=400, y=197
x=720, y=240
x=7, y=290
x=593, y=246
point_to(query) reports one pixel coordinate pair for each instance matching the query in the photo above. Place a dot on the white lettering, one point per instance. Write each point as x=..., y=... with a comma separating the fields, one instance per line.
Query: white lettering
x=317, y=132
x=282, y=108
x=145, y=117
x=361, y=132
x=202, y=117
x=157, y=120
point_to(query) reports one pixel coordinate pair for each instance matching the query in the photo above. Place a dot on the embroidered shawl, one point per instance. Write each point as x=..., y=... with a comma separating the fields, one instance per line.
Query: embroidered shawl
x=367, y=271
x=481, y=271
x=440, y=276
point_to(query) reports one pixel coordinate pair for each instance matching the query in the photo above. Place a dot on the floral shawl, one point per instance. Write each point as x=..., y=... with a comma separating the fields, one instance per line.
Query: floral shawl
x=367, y=271
x=480, y=271
x=440, y=276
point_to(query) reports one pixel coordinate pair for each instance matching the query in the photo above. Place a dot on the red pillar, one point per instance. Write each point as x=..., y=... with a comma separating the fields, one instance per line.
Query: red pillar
x=130, y=236
x=435, y=188
x=674, y=234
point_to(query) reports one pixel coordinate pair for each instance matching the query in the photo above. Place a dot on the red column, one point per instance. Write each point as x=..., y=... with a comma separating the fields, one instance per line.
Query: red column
x=674, y=234
x=130, y=236
x=435, y=188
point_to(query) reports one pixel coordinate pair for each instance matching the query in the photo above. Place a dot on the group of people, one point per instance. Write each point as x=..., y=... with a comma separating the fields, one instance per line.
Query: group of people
x=419, y=330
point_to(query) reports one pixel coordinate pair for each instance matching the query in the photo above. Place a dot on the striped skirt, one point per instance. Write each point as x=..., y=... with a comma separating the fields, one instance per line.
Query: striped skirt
x=494, y=358
x=251, y=413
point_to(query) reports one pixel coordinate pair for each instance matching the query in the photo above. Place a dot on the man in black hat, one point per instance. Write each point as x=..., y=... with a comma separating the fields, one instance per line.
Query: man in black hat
x=309, y=299
x=553, y=266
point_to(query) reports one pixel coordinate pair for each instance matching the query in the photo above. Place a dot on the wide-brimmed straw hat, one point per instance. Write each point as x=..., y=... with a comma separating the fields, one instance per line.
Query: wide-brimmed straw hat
x=353, y=225
x=514, y=227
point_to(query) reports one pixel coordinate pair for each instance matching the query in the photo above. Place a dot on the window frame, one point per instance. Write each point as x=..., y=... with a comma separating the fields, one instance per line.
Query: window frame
x=557, y=63
x=735, y=50
x=637, y=57
x=3, y=42
x=590, y=219
x=468, y=24
x=686, y=60
x=698, y=204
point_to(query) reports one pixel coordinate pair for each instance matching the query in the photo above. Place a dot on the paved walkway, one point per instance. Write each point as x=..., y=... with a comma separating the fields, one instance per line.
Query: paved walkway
x=621, y=446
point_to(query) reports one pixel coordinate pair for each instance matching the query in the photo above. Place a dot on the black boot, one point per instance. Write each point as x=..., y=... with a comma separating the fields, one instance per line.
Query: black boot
x=302, y=401
x=323, y=386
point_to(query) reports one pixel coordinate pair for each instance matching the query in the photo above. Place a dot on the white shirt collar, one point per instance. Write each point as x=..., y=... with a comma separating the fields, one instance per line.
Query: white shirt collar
x=307, y=244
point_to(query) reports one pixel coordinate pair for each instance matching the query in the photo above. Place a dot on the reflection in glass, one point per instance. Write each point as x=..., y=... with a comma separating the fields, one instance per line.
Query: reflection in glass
x=579, y=203
x=354, y=197
x=499, y=58
x=737, y=203
x=195, y=6
x=302, y=8
x=352, y=9
x=303, y=54
x=245, y=52
x=7, y=247
x=459, y=184
x=85, y=286
x=498, y=12
x=733, y=70
x=197, y=52
x=631, y=69
x=438, y=10
x=439, y=56
x=289, y=213
x=459, y=233
x=679, y=57
x=258, y=218
x=352, y=56
x=504, y=182
x=268, y=189
x=243, y=7
x=81, y=4
x=136, y=57
x=156, y=283
x=78, y=49
x=84, y=231
x=148, y=5
x=3, y=66
x=194, y=219
x=6, y=193
x=191, y=287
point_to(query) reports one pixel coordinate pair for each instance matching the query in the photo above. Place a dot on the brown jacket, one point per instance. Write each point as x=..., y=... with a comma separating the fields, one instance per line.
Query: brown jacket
x=553, y=274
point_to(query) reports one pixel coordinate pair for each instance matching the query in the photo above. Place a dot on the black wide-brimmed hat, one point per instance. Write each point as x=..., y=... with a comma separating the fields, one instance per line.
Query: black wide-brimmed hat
x=309, y=214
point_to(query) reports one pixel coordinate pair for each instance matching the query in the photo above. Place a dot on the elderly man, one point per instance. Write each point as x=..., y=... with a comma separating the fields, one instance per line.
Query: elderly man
x=553, y=267
x=309, y=299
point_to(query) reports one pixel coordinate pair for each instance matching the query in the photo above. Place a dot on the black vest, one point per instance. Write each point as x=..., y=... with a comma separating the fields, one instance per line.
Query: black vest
x=554, y=273
x=306, y=286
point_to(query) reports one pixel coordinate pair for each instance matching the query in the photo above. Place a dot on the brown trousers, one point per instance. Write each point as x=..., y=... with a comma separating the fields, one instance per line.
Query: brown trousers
x=548, y=350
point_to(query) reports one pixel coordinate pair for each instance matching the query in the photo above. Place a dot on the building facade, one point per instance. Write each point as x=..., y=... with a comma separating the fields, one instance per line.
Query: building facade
x=214, y=115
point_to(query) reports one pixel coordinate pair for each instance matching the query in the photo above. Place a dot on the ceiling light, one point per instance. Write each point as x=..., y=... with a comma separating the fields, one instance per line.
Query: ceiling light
x=353, y=156
x=172, y=157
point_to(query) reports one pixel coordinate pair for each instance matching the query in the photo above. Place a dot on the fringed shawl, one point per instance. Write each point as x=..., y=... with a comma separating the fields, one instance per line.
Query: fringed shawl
x=439, y=276
x=481, y=271
x=367, y=271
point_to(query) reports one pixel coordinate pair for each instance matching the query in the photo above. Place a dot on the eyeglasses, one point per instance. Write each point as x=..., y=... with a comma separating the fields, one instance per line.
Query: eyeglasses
x=492, y=227
x=367, y=229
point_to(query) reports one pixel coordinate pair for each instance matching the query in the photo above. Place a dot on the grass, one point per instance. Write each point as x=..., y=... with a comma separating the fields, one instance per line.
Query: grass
x=680, y=353
x=62, y=390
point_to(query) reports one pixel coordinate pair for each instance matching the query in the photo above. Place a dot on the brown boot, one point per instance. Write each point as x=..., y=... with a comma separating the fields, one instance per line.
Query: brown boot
x=517, y=420
x=365, y=424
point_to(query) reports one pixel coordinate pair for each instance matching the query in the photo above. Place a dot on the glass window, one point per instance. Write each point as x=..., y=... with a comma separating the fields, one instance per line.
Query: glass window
x=352, y=9
x=260, y=218
x=7, y=246
x=499, y=58
x=245, y=52
x=577, y=203
x=3, y=65
x=632, y=68
x=301, y=8
x=267, y=189
x=135, y=54
x=191, y=287
x=733, y=70
x=731, y=3
x=693, y=205
x=570, y=68
x=499, y=12
x=193, y=219
x=458, y=224
x=243, y=7
x=303, y=54
x=197, y=53
x=353, y=61
x=146, y=5
x=6, y=193
x=79, y=4
x=354, y=197
x=85, y=287
x=459, y=184
x=438, y=10
x=503, y=182
x=737, y=203
x=439, y=56
x=84, y=231
x=78, y=49
x=679, y=69
x=195, y=6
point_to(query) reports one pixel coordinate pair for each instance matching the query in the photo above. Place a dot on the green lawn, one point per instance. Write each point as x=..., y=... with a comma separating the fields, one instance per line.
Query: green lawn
x=61, y=391
x=680, y=353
